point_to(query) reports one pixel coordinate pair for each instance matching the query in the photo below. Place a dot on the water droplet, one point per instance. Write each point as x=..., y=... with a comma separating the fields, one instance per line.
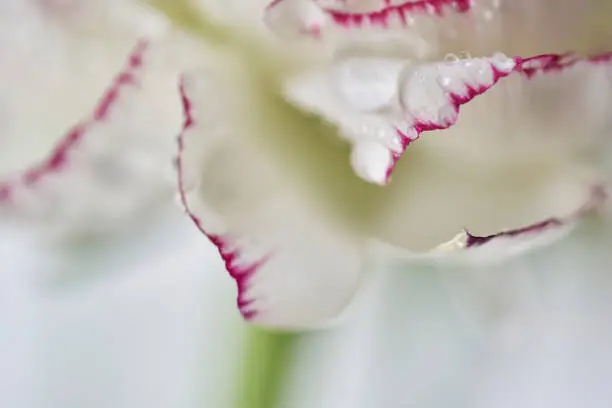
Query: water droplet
x=445, y=81
x=451, y=57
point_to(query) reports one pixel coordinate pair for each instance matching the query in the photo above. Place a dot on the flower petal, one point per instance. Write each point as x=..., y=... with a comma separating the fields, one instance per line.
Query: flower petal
x=88, y=144
x=528, y=149
x=546, y=26
x=315, y=19
x=473, y=250
x=111, y=164
x=431, y=97
x=295, y=266
x=382, y=109
x=440, y=27
x=350, y=95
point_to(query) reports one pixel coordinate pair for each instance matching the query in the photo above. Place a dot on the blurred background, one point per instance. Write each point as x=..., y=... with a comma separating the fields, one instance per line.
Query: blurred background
x=147, y=319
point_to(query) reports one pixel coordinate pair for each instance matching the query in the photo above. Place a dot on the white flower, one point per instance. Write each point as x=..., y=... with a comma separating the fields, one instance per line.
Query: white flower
x=88, y=110
x=291, y=135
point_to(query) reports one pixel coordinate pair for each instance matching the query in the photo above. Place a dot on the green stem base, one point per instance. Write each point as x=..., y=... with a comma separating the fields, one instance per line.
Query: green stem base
x=268, y=360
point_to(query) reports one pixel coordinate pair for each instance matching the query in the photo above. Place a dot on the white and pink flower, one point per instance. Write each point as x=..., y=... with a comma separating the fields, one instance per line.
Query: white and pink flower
x=295, y=123
x=292, y=134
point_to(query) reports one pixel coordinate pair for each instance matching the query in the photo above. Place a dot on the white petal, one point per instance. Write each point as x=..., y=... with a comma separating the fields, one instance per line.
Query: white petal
x=351, y=94
x=431, y=95
x=524, y=151
x=83, y=149
x=295, y=16
x=366, y=84
x=550, y=105
x=473, y=250
x=546, y=26
x=394, y=104
x=294, y=264
x=316, y=19
x=434, y=28
x=454, y=174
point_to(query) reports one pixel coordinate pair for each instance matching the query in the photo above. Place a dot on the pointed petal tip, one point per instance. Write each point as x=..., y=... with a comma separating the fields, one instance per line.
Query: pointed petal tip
x=370, y=161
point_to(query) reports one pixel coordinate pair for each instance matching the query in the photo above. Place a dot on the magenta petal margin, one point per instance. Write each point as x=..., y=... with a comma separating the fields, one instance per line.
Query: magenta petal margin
x=58, y=160
x=381, y=18
x=599, y=196
x=241, y=273
x=528, y=67
x=384, y=16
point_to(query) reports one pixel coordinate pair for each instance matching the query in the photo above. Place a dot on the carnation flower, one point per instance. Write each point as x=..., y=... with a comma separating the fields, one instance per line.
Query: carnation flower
x=322, y=135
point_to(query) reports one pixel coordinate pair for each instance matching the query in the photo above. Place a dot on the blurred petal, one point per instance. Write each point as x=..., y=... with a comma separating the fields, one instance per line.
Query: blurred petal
x=295, y=266
x=546, y=26
x=449, y=26
x=555, y=326
x=83, y=149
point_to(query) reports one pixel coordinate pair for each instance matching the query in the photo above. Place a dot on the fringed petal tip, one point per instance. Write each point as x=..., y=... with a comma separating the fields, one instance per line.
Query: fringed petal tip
x=241, y=271
x=382, y=105
x=110, y=165
x=431, y=95
x=292, y=268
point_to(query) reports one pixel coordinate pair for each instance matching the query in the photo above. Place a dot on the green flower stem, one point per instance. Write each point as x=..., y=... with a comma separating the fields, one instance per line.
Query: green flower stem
x=267, y=361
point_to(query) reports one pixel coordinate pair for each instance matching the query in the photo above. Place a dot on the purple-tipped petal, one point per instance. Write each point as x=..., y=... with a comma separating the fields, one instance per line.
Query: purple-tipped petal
x=293, y=264
x=360, y=96
x=432, y=95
